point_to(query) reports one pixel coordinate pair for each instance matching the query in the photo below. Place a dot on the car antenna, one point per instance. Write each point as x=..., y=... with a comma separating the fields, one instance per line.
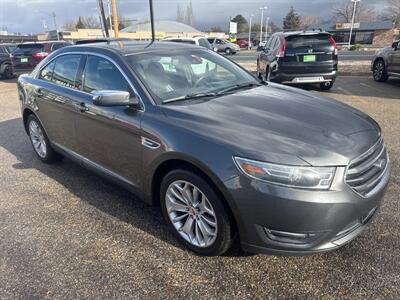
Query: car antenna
x=153, y=34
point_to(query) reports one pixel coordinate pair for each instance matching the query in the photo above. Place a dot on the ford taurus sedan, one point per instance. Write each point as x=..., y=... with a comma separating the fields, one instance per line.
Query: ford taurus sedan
x=226, y=156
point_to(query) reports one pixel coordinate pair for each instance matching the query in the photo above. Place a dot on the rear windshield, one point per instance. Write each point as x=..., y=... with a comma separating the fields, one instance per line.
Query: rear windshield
x=185, y=42
x=29, y=49
x=307, y=41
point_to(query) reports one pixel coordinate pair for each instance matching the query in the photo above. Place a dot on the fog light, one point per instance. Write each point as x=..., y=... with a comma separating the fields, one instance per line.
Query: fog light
x=291, y=237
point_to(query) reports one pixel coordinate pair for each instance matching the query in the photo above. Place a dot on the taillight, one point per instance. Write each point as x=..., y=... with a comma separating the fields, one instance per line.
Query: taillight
x=40, y=55
x=333, y=43
x=282, y=51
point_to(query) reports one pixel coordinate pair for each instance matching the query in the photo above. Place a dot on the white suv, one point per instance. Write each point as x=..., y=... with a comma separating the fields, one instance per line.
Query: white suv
x=199, y=41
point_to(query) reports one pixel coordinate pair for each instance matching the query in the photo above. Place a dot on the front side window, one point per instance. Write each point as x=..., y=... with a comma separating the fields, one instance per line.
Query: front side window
x=66, y=69
x=47, y=72
x=173, y=74
x=101, y=74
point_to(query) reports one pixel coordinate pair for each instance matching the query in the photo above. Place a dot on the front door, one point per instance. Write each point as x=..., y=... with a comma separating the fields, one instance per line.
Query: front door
x=394, y=60
x=109, y=137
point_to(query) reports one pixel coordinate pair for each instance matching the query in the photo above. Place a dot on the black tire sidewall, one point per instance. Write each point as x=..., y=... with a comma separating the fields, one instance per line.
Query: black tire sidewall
x=327, y=88
x=224, y=233
x=228, y=51
x=383, y=77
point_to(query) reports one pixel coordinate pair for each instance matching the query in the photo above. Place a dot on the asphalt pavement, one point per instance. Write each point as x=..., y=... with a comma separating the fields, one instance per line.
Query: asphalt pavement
x=245, y=55
x=65, y=233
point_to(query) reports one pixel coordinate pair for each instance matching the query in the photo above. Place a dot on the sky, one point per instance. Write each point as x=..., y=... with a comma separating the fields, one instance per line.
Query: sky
x=27, y=16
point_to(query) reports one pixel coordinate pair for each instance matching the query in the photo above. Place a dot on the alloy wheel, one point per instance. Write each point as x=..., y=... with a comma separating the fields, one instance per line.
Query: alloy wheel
x=191, y=213
x=378, y=70
x=37, y=137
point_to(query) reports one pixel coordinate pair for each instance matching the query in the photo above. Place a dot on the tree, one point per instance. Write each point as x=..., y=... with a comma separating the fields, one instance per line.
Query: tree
x=273, y=28
x=91, y=22
x=180, y=15
x=310, y=22
x=69, y=25
x=189, y=17
x=257, y=27
x=292, y=21
x=216, y=29
x=392, y=12
x=242, y=24
x=364, y=12
x=80, y=24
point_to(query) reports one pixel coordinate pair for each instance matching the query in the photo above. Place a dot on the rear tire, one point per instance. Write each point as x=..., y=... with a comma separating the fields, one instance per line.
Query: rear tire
x=189, y=213
x=326, y=86
x=40, y=142
x=7, y=73
x=379, y=71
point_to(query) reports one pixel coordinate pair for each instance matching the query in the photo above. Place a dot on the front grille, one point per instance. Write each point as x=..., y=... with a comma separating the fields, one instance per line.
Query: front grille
x=365, y=173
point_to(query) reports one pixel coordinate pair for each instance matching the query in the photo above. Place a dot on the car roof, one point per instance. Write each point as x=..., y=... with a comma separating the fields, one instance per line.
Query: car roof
x=125, y=48
x=304, y=32
x=42, y=42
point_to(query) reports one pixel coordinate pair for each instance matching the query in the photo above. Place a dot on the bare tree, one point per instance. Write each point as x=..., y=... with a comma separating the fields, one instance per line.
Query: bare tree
x=392, y=12
x=69, y=25
x=344, y=12
x=91, y=22
x=309, y=22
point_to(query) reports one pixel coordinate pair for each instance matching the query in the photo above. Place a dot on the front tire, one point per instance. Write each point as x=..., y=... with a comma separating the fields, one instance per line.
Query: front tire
x=40, y=142
x=195, y=213
x=228, y=51
x=8, y=73
x=379, y=71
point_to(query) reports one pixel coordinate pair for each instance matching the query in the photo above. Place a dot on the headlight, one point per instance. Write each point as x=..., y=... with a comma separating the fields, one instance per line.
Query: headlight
x=318, y=178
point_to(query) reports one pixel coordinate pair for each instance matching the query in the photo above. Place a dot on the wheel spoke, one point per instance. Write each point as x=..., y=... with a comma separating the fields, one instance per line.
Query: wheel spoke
x=191, y=213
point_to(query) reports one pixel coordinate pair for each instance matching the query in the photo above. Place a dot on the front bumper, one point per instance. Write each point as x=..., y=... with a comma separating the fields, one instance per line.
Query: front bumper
x=285, y=221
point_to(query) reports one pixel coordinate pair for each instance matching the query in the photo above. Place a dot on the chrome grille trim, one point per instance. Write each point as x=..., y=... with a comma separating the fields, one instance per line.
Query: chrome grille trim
x=364, y=173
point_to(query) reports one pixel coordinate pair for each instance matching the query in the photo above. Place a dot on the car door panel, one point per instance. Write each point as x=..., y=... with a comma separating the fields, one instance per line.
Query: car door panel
x=110, y=136
x=394, y=61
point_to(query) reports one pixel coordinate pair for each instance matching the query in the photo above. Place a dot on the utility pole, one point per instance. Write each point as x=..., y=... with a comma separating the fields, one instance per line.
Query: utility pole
x=262, y=22
x=353, y=19
x=251, y=18
x=266, y=29
x=109, y=13
x=55, y=24
x=103, y=18
x=115, y=17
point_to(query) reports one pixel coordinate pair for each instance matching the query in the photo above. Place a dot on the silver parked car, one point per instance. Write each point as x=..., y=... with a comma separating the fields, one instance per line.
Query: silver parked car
x=386, y=62
x=223, y=45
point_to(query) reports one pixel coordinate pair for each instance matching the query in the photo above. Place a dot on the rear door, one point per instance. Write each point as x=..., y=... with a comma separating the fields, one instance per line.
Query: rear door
x=27, y=56
x=55, y=94
x=310, y=53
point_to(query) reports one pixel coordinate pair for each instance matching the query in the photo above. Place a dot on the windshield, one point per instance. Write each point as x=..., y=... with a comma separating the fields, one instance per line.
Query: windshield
x=182, y=73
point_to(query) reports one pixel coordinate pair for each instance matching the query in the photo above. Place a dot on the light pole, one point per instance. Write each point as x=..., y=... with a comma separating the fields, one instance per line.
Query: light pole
x=266, y=29
x=262, y=21
x=248, y=47
x=352, y=20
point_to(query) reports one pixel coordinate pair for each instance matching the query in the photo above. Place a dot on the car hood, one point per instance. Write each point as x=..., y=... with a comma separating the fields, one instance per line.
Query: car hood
x=280, y=124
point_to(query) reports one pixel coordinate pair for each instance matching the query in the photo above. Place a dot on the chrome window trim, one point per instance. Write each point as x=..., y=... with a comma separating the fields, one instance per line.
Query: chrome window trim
x=36, y=75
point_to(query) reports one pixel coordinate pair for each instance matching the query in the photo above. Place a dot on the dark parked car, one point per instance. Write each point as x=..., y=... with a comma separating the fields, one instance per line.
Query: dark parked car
x=225, y=155
x=27, y=55
x=386, y=63
x=301, y=57
x=5, y=61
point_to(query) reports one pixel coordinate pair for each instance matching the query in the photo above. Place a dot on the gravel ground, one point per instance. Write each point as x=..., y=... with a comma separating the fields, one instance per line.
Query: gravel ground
x=66, y=233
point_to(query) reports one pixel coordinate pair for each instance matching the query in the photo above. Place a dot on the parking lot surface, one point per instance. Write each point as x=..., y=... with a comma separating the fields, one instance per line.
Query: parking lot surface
x=66, y=233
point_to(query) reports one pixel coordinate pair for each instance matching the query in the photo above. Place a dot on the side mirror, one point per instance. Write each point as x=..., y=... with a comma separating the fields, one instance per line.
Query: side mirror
x=114, y=98
x=395, y=46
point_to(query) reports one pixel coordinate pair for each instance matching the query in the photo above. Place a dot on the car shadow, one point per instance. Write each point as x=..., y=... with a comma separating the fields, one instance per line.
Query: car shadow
x=90, y=188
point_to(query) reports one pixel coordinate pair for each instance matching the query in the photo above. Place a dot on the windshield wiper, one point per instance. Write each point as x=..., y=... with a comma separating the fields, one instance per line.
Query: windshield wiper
x=238, y=87
x=190, y=97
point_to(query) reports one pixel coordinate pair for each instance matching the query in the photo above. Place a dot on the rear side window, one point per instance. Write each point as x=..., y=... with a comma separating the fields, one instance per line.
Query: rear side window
x=29, y=49
x=58, y=46
x=101, y=74
x=66, y=69
x=204, y=43
x=307, y=41
x=47, y=72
